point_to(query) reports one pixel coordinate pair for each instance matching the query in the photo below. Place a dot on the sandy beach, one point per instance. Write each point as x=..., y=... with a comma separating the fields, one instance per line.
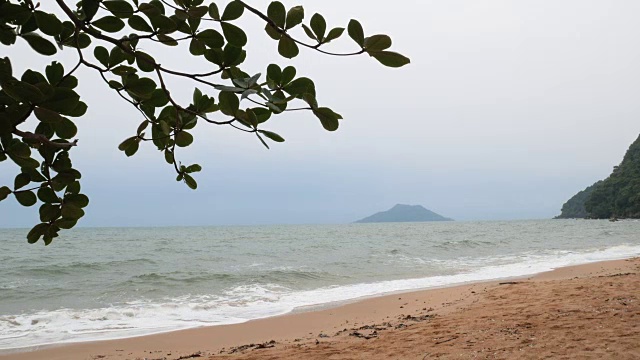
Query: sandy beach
x=585, y=311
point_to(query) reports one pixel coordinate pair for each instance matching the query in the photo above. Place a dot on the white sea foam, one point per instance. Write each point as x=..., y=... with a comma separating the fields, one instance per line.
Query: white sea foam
x=247, y=302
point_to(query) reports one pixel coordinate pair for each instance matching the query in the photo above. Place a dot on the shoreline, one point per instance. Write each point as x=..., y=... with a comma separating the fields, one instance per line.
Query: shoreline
x=308, y=324
x=486, y=274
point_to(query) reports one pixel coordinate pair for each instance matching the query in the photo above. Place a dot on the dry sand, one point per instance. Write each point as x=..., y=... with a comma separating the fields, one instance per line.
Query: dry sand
x=580, y=312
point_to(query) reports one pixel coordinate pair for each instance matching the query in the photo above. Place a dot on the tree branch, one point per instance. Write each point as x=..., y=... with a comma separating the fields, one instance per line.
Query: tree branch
x=42, y=139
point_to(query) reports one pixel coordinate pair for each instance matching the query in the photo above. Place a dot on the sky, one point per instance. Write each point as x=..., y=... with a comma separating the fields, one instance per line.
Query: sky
x=507, y=109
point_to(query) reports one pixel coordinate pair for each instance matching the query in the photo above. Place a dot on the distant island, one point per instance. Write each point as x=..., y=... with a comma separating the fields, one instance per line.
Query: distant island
x=404, y=213
x=616, y=197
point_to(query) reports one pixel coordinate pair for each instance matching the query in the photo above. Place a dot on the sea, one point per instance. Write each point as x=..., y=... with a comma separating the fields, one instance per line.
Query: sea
x=107, y=283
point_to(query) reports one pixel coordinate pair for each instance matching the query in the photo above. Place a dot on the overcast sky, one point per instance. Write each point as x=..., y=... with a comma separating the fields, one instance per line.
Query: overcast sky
x=507, y=109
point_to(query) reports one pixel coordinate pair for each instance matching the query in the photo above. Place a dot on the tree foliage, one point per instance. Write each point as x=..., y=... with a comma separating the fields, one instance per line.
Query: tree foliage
x=109, y=36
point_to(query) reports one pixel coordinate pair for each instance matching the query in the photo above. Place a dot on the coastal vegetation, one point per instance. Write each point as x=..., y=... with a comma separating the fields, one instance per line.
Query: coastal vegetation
x=116, y=39
x=618, y=196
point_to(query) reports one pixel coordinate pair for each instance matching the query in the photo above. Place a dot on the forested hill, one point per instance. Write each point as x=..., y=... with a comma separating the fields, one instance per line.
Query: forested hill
x=575, y=208
x=618, y=196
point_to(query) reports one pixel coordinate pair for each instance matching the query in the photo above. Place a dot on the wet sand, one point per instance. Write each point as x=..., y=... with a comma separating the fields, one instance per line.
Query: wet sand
x=585, y=311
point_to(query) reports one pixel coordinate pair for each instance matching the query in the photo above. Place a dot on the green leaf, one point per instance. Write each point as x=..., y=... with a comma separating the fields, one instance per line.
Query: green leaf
x=39, y=44
x=197, y=47
x=123, y=70
x=311, y=100
x=109, y=23
x=83, y=41
x=168, y=157
x=272, y=32
x=29, y=26
x=21, y=181
x=49, y=212
x=90, y=8
x=262, y=140
x=119, y=8
x=47, y=195
x=167, y=40
x=183, y=139
x=16, y=13
x=247, y=118
x=145, y=62
x=66, y=223
x=391, y=59
x=63, y=101
x=211, y=38
x=262, y=114
x=71, y=212
x=190, y=181
x=274, y=73
x=46, y=115
x=377, y=43
x=149, y=10
x=130, y=146
x=48, y=23
x=140, y=24
x=288, y=48
x=310, y=33
x=271, y=135
x=194, y=168
x=116, y=56
x=277, y=13
x=301, y=86
x=36, y=232
x=295, y=15
x=6, y=127
x=26, y=198
x=22, y=91
x=74, y=188
x=102, y=54
x=55, y=72
x=328, y=118
x=142, y=87
x=233, y=55
x=214, y=13
x=34, y=175
x=233, y=11
x=229, y=103
x=319, y=26
x=4, y=192
x=33, y=77
x=66, y=129
x=77, y=200
x=333, y=34
x=234, y=34
x=288, y=74
x=7, y=35
x=163, y=24
x=356, y=32
x=198, y=11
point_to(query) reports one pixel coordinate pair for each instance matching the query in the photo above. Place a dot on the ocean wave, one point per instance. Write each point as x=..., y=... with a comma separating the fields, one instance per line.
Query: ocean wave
x=275, y=275
x=465, y=243
x=75, y=267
